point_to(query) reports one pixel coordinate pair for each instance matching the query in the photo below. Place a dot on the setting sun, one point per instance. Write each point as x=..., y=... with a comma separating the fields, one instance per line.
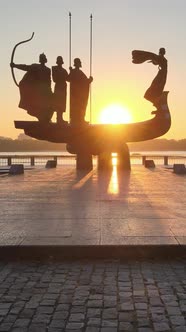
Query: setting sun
x=114, y=114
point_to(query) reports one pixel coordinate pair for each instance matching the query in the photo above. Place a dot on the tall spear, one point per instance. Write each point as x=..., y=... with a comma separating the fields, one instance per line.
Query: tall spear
x=90, y=66
x=70, y=39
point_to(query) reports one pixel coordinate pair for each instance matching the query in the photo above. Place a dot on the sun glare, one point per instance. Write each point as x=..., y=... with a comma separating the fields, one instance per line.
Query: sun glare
x=115, y=114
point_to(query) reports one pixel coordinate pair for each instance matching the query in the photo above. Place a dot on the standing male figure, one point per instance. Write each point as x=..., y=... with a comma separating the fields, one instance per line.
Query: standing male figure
x=35, y=89
x=79, y=92
x=60, y=76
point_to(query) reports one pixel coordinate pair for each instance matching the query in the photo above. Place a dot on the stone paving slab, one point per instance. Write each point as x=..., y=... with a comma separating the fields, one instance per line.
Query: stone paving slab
x=93, y=296
x=49, y=207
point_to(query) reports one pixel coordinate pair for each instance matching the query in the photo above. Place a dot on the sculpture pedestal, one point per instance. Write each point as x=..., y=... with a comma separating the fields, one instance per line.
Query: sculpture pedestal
x=84, y=161
x=123, y=159
x=105, y=161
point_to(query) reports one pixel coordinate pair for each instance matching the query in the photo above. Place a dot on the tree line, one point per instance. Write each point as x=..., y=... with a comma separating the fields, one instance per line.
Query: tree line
x=31, y=145
x=160, y=144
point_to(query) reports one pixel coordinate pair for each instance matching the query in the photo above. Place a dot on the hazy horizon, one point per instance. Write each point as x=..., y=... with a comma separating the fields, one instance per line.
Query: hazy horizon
x=28, y=137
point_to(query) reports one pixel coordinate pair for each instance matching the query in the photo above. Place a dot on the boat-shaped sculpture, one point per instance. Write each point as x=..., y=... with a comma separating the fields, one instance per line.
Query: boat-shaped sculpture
x=82, y=138
x=97, y=138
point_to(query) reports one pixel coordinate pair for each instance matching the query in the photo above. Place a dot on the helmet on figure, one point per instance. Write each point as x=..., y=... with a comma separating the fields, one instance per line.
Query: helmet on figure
x=77, y=62
x=162, y=51
x=42, y=58
x=59, y=60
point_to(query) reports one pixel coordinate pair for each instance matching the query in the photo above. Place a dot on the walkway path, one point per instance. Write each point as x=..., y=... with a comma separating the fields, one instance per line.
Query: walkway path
x=60, y=207
x=102, y=296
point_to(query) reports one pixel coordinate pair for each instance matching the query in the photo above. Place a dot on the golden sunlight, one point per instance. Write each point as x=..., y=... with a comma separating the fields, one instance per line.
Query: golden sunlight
x=113, y=187
x=115, y=114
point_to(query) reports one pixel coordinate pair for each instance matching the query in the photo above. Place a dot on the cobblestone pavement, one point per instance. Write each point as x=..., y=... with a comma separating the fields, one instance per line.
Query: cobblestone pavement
x=104, y=296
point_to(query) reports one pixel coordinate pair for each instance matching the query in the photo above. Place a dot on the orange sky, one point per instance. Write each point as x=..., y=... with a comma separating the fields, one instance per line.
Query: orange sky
x=118, y=28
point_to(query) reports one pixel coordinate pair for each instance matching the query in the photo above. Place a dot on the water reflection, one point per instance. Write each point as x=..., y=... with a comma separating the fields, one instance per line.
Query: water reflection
x=114, y=159
x=113, y=187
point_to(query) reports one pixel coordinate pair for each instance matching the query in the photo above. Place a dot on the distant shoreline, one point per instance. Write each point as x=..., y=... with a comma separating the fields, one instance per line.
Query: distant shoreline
x=32, y=145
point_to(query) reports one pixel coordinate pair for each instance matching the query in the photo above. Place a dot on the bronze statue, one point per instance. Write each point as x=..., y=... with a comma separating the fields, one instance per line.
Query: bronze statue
x=60, y=76
x=154, y=92
x=35, y=89
x=79, y=92
x=103, y=139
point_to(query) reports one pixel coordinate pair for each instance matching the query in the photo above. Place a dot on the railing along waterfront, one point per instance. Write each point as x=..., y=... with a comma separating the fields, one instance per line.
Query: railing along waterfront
x=65, y=159
x=159, y=159
x=35, y=160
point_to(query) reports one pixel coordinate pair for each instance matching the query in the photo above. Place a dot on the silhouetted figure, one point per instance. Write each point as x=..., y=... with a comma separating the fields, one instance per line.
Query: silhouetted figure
x=155, y=90
x=35, y=89
x=79, y=92
x=60, y=76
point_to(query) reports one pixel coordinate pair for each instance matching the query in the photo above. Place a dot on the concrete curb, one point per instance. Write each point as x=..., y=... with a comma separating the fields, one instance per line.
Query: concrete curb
x=70, y=252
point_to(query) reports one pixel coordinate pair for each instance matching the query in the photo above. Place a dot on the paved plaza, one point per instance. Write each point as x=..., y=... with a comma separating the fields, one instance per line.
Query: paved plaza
x=62, y=207
x=119, y=212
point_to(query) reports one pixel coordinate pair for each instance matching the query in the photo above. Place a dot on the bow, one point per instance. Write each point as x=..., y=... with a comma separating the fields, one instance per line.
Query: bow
x=12, y=56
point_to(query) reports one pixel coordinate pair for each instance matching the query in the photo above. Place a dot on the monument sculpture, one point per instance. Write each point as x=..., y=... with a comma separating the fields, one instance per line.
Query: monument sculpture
x=60, y=77
x=35, y=87
x=83, y=139
x=155, y=90
x=79, y=92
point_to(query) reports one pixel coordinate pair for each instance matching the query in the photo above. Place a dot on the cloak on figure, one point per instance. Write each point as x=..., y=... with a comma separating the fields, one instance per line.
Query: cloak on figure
x=79, y=93
x=155, y=90
x=60, y=76
x=35, y=91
